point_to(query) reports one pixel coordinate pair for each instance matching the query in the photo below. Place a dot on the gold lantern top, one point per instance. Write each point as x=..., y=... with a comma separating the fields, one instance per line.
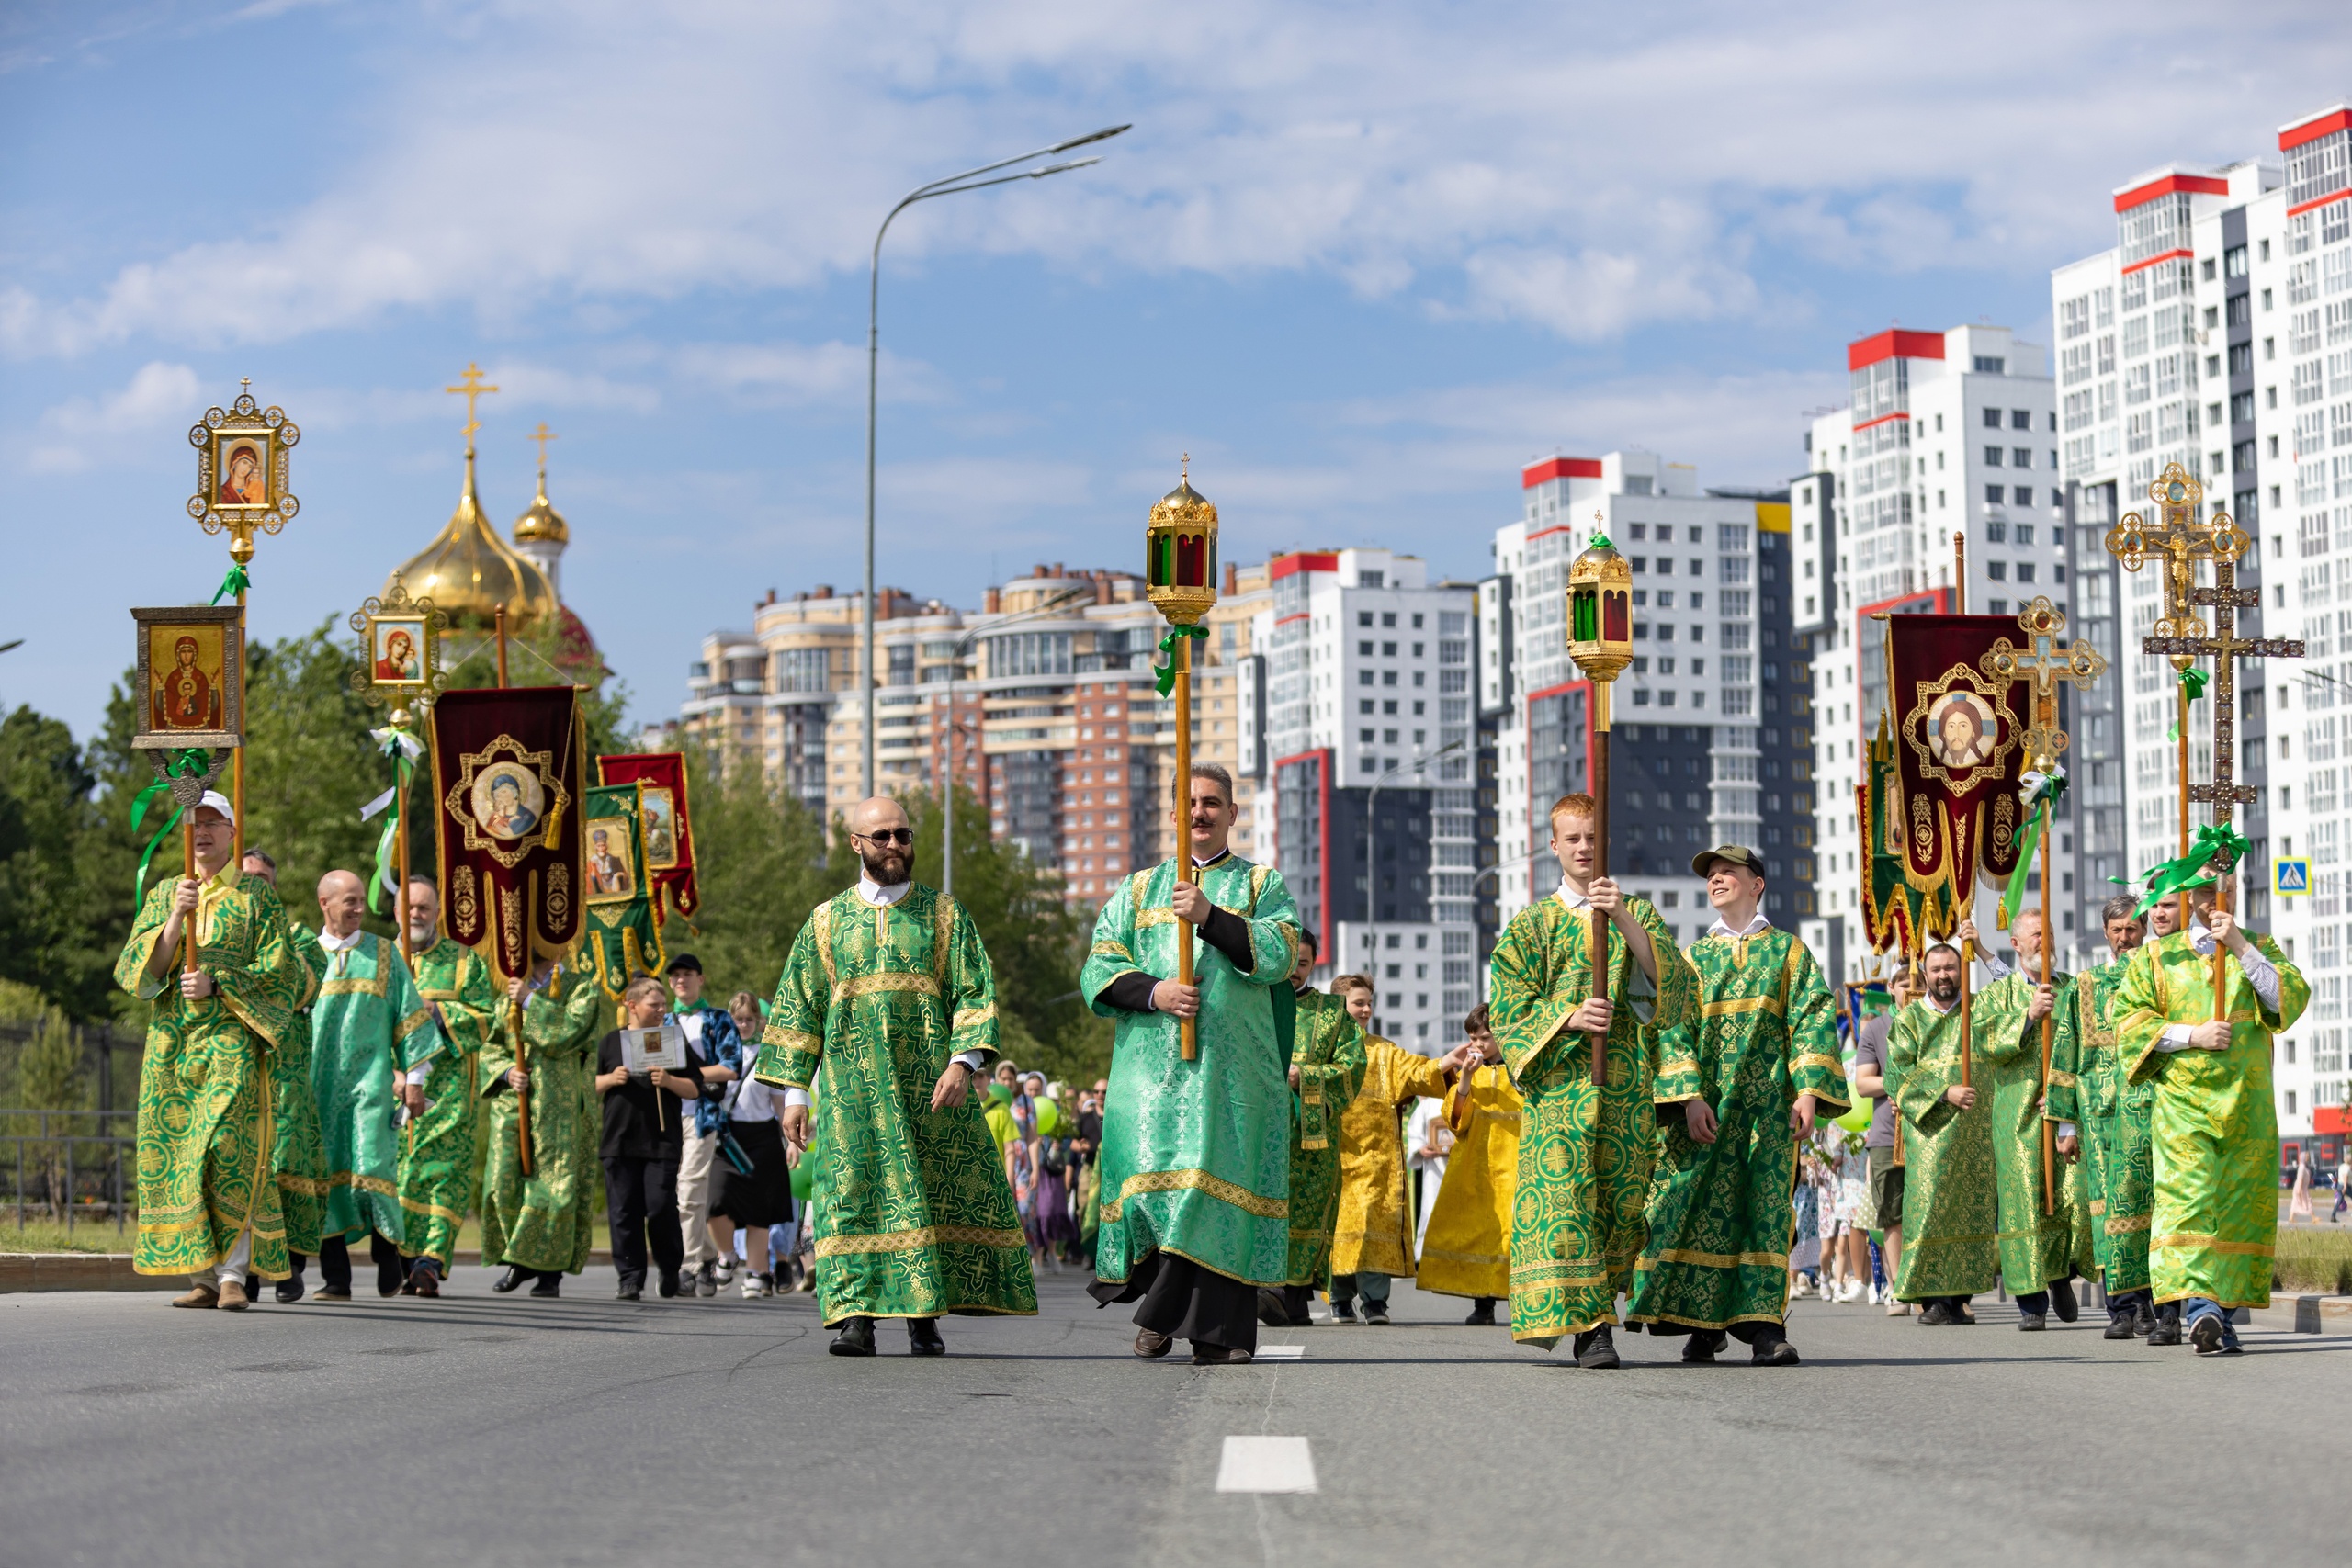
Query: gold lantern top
x=1600, y=611
x=1180, y=553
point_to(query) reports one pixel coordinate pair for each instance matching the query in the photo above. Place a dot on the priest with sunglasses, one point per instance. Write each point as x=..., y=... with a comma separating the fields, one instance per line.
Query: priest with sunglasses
x=884, y=1015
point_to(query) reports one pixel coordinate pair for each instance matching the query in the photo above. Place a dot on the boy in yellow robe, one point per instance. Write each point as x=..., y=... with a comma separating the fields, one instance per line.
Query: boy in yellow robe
x=1372, y=1239
x=1466, y=1250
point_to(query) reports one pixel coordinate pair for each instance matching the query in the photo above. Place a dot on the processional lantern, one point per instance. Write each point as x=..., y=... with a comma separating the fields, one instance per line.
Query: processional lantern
x=1600, y=641
x=1179, y=575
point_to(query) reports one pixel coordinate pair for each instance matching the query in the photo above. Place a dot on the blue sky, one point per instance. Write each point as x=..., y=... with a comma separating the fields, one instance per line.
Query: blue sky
x=1360, y=261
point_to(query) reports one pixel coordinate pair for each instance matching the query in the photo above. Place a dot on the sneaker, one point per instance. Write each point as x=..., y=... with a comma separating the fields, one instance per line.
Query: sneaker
x=726, y=1267
x=706, y=1280
x=1772, y=1348
x=1703, y=1346
x=757, y=1285
x=2033, y=1322
x=1344, y=1311
x=2209, y=1335
x=1376, y=1313
x=628, y=1292
x=2167, y=1330
x=2144, y=1317
x=1596, y=1348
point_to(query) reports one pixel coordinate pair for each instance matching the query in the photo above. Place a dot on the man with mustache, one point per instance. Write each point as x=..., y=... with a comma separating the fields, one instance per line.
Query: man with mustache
x=886, y=1009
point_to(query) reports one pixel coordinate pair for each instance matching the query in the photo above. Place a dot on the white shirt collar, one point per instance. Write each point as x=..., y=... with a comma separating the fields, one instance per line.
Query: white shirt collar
x=334, y=943
x=1942, y=1012
x=1758, y=924
x=878, y=896
x=1569, y=898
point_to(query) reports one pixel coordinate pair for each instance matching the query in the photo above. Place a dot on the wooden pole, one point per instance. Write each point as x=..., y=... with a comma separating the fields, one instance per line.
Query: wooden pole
x=2222, y=900
x=187, y=869
x=237, y=778
x=1967, y=1039
x=2181, y=692
x=499, y=621
x=1960, y=579
x=2049, y=1131
x=1188, y=1031
x=1599, y=991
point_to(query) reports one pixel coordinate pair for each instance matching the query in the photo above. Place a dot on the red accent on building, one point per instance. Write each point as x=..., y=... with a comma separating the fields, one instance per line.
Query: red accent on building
x=1321, y=757
x=2312, y=130
x=1300, y=560
x=1899, y=413
x=1554, y=528
x=2319, y=201
x=2171, y=185
x=2168, y=255
x=1558, y=469
x=1893, y=344
x=2331, y=1119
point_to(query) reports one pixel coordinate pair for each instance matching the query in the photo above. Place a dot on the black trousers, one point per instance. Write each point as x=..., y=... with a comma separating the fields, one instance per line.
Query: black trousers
x=1184, y=1301
x=642, y=1200
x=334, y=1261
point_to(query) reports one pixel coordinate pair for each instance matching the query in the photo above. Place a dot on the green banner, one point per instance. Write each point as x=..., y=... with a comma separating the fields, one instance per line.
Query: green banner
x=622, y=934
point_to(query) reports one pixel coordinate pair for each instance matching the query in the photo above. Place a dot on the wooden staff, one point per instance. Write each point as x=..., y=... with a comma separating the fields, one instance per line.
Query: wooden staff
x=499, y=621
x=2181, y=693
x=2221, y=886
x=1599, y=991
x=2049, y=1131
x=187, y=869
x=1188, y=1030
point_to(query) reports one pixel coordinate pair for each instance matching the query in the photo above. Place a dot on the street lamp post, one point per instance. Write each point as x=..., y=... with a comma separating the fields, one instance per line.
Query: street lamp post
x=1061, y=600
x=968, y=180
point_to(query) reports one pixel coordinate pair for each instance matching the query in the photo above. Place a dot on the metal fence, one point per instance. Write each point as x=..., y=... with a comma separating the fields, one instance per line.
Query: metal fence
x=74, y=1164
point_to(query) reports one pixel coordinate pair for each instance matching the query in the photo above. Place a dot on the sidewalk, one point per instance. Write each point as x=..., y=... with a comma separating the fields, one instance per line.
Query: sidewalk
x=22, y=1271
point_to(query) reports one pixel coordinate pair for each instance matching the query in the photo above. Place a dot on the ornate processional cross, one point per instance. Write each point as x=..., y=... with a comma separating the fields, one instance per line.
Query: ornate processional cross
x=2045, y=666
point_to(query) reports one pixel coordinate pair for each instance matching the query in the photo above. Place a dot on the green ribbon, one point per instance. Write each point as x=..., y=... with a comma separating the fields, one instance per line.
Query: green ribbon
x=189, y=762
x=1598, y=541
x=2192, y=680
x=401, y=747
x=235, y=583
x=2183, y=872
x=1165, y=676
x=2043, y=790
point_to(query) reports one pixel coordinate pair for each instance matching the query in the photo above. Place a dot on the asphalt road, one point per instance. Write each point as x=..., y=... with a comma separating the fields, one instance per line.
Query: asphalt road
x=487, y=1430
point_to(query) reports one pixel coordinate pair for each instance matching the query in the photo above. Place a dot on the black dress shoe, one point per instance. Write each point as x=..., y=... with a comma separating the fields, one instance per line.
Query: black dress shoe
x=290, y=1290
x=2143, y=1316
x=1482, y=1314
x=670, y=1285
x=1703, y=1346
x=514, y=1279
x=1772, y=1348
x=629, y=1294
x=1937, y=1315
x=856, y=1338
x=922, y=1337
x=2063, y=1301
x=2118, y=1326
x=1151, y=1345
x=1272, y=1311
x=2167, y=1329
x=1595, y=1349
x=550, y=1286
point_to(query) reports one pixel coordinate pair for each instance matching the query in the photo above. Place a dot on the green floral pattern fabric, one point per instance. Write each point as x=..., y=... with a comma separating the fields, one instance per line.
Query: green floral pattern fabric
x=545, y=1220
x=437, y=1166
x=298, y=1155
x=2118, y=1153
x=1327, y=1049
x=2035, y=1248
x=369, y=1026
x=1951, y=1211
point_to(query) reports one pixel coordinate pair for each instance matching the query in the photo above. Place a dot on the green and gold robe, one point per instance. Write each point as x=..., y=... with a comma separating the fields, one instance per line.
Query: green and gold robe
x=1722, y=1215
x=914, y=1216
x=1585, y=1152
x=546, y=1222
x=1951, y=1209
x=2117, y=1152
x=204, y=1103
x=1327, y=1049
x=2035, y=1248
x=2215, y=1223
x=1195, y=1154
x=437, y=1161
x=298, y=1157
x=368, y=1030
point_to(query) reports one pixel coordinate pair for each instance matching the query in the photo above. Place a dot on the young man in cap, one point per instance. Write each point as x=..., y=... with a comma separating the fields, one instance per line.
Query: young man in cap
x=1731, y=1090
x=711, y=1032
x=208, y=1201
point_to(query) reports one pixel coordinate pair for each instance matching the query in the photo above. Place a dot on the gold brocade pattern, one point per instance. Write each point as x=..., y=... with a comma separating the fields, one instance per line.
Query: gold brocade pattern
x=914, y=1240
x=1196, y=1181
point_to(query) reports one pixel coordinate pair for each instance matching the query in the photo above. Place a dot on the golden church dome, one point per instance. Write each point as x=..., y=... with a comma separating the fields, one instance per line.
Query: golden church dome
x=542, y=521
x=469, y=570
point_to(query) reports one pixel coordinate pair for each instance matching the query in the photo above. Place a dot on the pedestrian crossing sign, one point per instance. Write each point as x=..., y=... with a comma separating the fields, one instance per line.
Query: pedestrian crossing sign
x=2290, y=878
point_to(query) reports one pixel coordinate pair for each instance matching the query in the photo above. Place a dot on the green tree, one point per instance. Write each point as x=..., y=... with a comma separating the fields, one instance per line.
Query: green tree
x=760, y=869
x=48, y=916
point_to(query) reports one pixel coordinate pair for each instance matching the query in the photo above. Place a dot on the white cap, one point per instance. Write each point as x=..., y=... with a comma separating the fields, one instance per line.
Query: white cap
x=218, y=801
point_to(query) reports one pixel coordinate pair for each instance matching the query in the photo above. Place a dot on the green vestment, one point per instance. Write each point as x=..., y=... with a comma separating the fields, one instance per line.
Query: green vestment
x=1950, y=1208
x=1327, y=1049
x=369, y=1029
x=1722, y=1215
x=1585, y=1152
x=205, y=1112
x=298, y=1157
x=437, y=1161
x=2215, y=1223
x=547, y=1220
x=2035, y=1248
x=1195, y=1154
x=914, y=1216
x=2116, y=1146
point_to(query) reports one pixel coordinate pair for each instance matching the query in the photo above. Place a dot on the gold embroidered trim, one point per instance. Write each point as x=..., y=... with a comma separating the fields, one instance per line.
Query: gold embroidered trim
x=1196, y=1181
x=867, y=984
x=364, y=1183
x=1818, y=1059
x=1721, y=1259
x=2190, y=1243
x=916, y=1240
x=410, y=1024
x=791, y=1039
x=2099, y=1207
x=1553, y=1271
x=434, y=1209
x=825, y=919
x=1773, y=1005
x=1110, y=949
x=2065, y=1080
x=347, y=987
x=309, y=1186
x=943, y=924
x=2129, y=1226
x=967, y=1017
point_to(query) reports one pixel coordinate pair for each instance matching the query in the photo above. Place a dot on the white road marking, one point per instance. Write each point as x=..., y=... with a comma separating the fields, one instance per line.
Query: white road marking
x=1266, y=1464
x=1281, y=1352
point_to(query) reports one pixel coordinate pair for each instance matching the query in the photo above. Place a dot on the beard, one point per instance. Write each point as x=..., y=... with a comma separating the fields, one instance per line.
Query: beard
x=887, y=865
x=1944, y=994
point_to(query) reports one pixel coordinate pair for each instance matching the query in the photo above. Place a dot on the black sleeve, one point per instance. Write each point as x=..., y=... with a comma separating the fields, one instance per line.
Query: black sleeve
x=608, y=1051
x=1131, y=992
x=1229, y=934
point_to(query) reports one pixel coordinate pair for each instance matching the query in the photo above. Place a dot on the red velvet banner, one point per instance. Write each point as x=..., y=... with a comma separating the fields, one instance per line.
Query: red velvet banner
x=669, y=828
x=1956, y=752
x=509, y=766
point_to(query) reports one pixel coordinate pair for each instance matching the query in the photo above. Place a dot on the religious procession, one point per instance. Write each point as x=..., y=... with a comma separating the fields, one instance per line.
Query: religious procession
x=1627, y=1138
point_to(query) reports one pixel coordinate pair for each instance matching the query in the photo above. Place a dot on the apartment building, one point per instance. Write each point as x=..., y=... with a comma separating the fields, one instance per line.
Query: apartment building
x=1711, y=739
x=1950, y=433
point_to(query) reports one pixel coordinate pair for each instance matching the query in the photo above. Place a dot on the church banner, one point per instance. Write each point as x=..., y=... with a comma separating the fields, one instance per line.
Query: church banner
x=669, y=827
x=1956, y=753
x=624, y=938
x=509, y=766
x=1895, y=915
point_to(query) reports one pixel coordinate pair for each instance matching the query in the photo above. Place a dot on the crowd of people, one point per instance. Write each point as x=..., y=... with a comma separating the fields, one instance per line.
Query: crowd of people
x=1632, y=1135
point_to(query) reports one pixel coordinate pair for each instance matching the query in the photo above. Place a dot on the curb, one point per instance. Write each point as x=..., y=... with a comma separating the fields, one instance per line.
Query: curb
x=28, y=1272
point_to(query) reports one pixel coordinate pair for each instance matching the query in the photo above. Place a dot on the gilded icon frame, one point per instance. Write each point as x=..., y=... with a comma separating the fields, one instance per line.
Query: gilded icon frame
x=218, y=633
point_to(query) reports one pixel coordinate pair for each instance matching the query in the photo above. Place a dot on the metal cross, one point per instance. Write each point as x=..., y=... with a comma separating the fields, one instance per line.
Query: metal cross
x=2183, y=541
x=2046, y=665
x=542, y=435
x=471, y=386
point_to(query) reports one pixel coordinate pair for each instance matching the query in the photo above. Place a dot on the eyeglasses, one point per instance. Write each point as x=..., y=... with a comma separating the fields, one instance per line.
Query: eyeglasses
x=905, y=836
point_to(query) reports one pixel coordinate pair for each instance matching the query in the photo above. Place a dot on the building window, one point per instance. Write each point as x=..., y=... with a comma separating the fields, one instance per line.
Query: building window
x=1993, y=494
x=1990, y=365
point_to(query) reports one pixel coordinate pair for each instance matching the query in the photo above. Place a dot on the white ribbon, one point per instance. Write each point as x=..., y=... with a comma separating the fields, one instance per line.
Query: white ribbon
x=2032, y=784
x=377, y=803
x=385, y=736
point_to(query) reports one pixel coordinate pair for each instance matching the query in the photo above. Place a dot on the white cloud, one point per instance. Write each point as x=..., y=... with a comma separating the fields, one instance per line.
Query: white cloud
x=792, y=374
x=1582, y=168
x=69, y=434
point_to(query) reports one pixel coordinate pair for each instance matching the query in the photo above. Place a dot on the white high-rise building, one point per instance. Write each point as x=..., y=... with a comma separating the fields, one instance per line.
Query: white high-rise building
x=1948, y=433
x=1711, y=728
x=2217, y=334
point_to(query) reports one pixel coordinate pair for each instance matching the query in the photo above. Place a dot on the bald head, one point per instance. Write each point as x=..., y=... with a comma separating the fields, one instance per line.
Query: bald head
x=342, y=899
x=878, y=832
